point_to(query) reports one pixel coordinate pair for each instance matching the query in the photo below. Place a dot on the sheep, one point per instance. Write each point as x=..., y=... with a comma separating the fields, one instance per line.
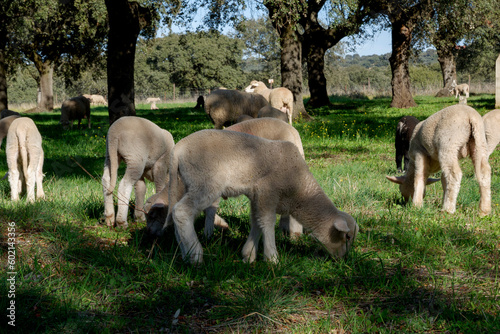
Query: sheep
x=404, y=130
x=243, y=118
x=269, y=128
x=438, y=143
x=25, y=159
x=224, y=106
x=200, y=102
x=152, y=101
x=213, y=164
x=75, y=108
x=492, y=130
x=5, y=125
x=269, y=111
x=97, y=99
x=280, y=98
x=145, y=149
x=459, y=90
x=7, y=113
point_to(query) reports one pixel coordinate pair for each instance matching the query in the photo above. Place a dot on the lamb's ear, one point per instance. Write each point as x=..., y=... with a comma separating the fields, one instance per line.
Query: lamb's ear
x=431, y=181
x=396, y=179
x=341, y=225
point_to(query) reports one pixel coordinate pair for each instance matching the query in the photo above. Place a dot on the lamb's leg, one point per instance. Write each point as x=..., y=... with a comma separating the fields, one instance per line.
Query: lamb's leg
x=140, y=194
x=451, y=178
x=420, y=179
x=15, y=186
x=39, y=177
x=31, y=177
x=291, y=226
x=109, y=209
x=213, y=219
x=483, y=176
x=133, y=174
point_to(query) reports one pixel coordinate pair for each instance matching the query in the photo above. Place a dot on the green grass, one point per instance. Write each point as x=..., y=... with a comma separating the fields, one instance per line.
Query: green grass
x=411, y=270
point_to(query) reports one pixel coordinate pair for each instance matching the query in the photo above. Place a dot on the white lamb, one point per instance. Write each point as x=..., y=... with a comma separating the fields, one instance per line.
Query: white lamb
x=280, y=98
x=269, y=128
x=145, y=149
x=272, y=174
x=152, y=101
x=5, y=125
x=459, y=90
x=25, y=159
x=438, y=143
x=492, y=130
x=97, y=99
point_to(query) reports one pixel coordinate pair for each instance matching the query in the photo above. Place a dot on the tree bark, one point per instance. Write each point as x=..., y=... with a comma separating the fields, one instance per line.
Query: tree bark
x=124, y=28
x=3, y=82
x=45, y=82
x=316, y=75
x=448, y=69
x=399, y=60
x=291, y=69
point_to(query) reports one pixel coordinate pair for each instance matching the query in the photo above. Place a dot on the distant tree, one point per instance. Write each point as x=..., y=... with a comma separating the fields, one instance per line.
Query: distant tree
x=403, y=15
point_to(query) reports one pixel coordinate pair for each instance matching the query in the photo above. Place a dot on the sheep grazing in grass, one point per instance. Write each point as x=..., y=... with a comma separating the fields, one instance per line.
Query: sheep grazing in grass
x=157, y=205
x=152, y=101
x=272, y=174
x=5, y=125
x=492, y=130
x=438, y=143
x=200, y=102
x=269, y=111
x=6, y=113
x=97, y=99
x=224, y=106
x=280, y=98
x=25, y=159
x=460, y=90
x=75, y=108
x=145, y=149
x=404, y=130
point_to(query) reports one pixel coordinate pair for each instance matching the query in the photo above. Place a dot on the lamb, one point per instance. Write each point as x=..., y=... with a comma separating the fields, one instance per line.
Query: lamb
x=437, y=144
x=269, y=128
x=269, y=111
x=152, y=101
x=25, y=159
x=200, y=102
x=145, y=149
x=492, y=130
x=459, y=90
x=280, y=98
x=97, y=99
x=404, y=130
x=75, y=108
x=7, y=113
x=224, y=106
x=213, y=164
x=5, y=125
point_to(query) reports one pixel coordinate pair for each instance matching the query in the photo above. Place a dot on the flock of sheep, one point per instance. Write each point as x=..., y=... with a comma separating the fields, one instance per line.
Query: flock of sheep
x=254, y=155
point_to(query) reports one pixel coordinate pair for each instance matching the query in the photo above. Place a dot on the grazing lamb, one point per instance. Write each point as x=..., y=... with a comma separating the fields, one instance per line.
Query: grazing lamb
x=75, y=108
x=157, y=205
x=25, y=159
x=269, y=111
x=5, y=125
x=213, y=164
x=492, y=130
x=145, y=149
x=404, y=130
x=152, y=101
x=438, y=143
x=280, y=98
x=459, y=90
x=7, y=113
x=97, y=99
x=224, y=106
x=200, y=102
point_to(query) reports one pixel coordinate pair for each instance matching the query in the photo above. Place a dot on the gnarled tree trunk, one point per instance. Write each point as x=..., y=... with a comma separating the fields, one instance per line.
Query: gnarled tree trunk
x=46, y=72
x=399, y=60
x=448, y=69
x=316, y=75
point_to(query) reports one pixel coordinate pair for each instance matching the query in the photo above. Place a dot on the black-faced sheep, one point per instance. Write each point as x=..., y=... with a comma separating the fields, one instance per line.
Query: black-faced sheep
x=157, y=205
x=438, y=143
x=145, y=149
x=460, y=90
x=404, y=130
x=492, y=129
x=280, y=98
x=75, y=108
x=25, y=159
x=213, y=164
x=5, y=125
x=224, y=106
x=6, y=113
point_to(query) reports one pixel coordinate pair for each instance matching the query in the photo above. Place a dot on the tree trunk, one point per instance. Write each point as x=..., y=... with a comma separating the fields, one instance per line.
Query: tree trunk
x=448, y=68
x=124, y=28
x=3, y=82
x=45, y=72
x=291, y=69
x=399, y=60
x=316, y=76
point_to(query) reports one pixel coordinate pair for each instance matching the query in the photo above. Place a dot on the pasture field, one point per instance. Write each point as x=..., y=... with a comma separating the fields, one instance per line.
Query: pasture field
x=411, y=270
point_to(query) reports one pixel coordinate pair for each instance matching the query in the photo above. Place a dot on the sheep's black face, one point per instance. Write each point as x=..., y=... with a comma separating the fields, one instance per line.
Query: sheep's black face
x=156, y=219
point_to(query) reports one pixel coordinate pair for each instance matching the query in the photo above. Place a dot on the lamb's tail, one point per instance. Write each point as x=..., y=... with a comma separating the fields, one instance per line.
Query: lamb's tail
x=112, y=162
x=23, y=150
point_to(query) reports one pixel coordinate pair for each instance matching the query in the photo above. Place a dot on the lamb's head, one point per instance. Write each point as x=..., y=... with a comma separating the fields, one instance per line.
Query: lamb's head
x=156, y=216
x=406, y=185
x=339, y=236
x=253, y=86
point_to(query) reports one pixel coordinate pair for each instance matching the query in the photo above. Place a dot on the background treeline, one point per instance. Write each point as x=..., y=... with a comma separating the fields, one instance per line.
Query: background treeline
x=184, y=66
